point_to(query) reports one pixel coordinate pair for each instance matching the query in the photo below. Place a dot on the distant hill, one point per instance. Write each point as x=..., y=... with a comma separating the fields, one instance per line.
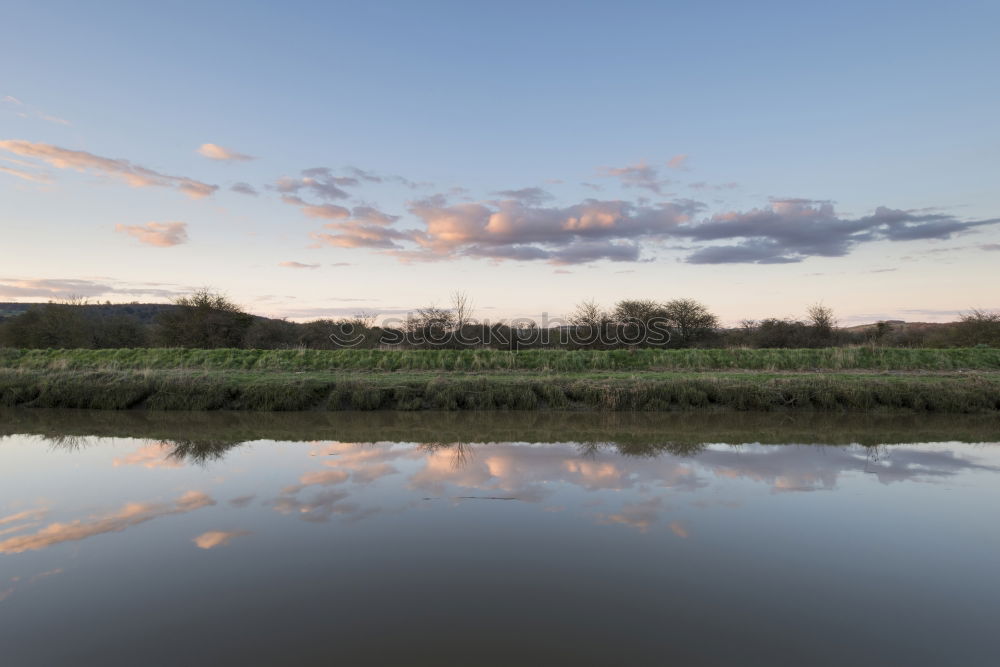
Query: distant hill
x=901, y=325
x=144, y=312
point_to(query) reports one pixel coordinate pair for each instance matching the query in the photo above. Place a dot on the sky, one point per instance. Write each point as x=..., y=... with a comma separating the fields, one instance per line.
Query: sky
x=319, y=159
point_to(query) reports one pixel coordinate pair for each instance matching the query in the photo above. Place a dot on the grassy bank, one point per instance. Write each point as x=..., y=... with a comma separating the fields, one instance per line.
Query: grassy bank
x=540, y=361
x=613, y=391
x=954, y=380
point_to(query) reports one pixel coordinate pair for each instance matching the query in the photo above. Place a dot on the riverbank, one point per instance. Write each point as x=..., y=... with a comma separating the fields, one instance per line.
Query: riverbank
x=260, y=390
x=547, y=361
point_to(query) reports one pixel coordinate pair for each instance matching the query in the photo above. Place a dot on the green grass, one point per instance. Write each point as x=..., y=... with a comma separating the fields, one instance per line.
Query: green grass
x=547, y=361
x=649, y=391
x=863, y=378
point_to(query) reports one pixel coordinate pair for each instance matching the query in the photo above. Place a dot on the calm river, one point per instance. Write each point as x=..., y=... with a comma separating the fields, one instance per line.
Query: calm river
x=498, y=539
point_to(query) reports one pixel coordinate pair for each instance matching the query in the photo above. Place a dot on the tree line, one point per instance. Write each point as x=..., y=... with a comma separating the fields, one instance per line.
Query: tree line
x=206, y=319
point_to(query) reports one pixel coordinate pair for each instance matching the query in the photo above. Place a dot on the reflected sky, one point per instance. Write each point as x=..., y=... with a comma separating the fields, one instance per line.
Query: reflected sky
x=271, y=551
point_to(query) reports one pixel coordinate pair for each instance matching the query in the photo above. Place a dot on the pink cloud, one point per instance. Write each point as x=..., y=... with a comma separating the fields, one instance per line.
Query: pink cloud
x=217, y=152
x=26, y=515
x=640, y=515
x=160, y=234
x=134, y=175
x=356, y=234
x=218, y=538
x=26, y=175
x=155, y=455
x=329, y=211
x=131, y=514
x=678, y=161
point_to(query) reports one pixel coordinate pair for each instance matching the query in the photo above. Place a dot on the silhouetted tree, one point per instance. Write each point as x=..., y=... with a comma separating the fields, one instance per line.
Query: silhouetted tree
x=206, y=319
x=822, y=322
x=431, y=326
x=590, y=325
x=589, y=314
x=51, y=325
x=637, y=311
x=690, y=322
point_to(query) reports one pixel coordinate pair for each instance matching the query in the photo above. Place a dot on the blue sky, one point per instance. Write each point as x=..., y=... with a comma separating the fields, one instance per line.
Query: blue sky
x=755, y=156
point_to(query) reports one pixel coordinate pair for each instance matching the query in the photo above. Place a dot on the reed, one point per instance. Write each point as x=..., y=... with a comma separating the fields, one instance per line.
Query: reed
x=536, y=361
x=199, y=389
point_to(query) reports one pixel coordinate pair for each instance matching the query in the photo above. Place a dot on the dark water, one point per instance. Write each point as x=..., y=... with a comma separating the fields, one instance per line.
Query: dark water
x=136, y=539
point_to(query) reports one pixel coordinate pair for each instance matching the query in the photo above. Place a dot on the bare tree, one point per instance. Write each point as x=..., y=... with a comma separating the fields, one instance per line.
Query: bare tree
x=821, y=317
x=637, y=311
x=588, y=314
x=822, y=323
x=431, y=325
x=462, y=307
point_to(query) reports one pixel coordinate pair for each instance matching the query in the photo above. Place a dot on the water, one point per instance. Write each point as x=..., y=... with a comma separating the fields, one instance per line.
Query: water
x=422, y=539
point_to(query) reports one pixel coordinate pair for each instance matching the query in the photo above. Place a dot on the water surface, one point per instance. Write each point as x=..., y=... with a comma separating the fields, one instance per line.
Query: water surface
x=144, y=539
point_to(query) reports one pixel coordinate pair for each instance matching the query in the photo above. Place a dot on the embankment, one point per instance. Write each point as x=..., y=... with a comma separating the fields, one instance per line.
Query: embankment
x=279, y=390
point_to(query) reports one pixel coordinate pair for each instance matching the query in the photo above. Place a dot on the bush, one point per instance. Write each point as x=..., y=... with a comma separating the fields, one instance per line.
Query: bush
x=52, y=325
x=978, y=327
x=204, y=320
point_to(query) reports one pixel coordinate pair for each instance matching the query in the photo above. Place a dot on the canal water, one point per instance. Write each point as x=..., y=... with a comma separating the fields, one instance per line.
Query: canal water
x=498, y=539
